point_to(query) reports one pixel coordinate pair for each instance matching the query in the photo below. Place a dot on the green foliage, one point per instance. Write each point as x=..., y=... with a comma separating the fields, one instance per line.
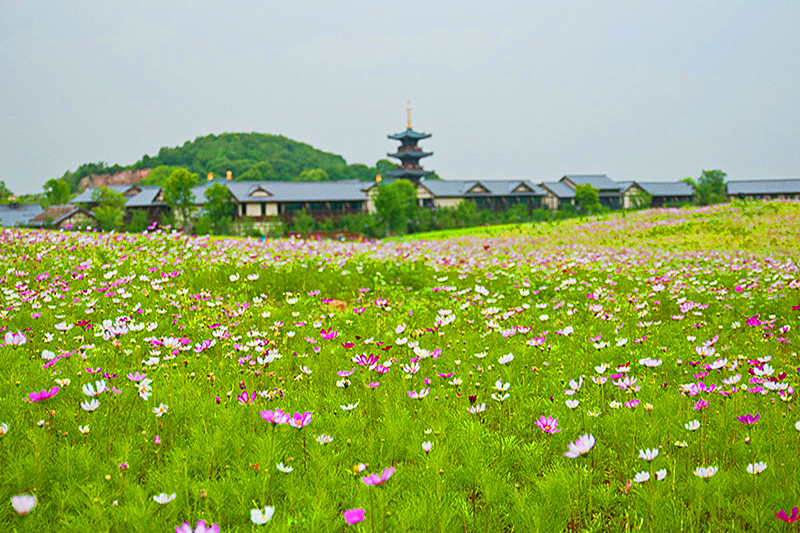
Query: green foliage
x=4, y=192
x=709, y=189
x=138, y=222
x=178, y=194
x=158, y=176
x=220, y=208
x=587, y=198
x=302, y=223
x=261, y=171
x=56, y=192
x=313, y=174
x=109, y=208
x=396, y=204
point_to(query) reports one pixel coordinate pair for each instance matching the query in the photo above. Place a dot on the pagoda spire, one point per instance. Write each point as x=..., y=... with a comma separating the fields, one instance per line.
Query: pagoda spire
x=409, y=153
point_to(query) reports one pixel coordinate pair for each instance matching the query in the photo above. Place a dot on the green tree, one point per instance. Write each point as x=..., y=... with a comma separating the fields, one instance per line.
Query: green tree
x=56, y=192
x=396, y=203
x=178, y=194
x=109, y=208
x=138, y=222
x=220, y=208
x=313, y=174
x=5, y=193
x=302, y=222
x=709, y=188
x=158, y=176
x=587, y=198
x=261, y=171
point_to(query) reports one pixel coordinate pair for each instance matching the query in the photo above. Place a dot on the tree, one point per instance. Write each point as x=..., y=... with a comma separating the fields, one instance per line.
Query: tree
x=158, y=176
x=587, y=198
x=5, y=193
x=302, y=222
x=178, y=194
x=396, y=203
x=261, y=171
x=220, y=208
x=709, y=188
x=56, y=192
x=313, y=174
x=109, y=208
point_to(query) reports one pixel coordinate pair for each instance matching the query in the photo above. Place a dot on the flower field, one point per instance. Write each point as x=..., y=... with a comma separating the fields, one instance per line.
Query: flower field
x=632, y=373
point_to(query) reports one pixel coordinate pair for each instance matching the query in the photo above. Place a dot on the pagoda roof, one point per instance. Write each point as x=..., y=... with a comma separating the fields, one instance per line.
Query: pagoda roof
x=409, y=134
x=419, y=154
x=407, y=172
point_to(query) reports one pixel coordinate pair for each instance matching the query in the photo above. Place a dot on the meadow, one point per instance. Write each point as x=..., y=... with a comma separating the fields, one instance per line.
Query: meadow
x=631, y=373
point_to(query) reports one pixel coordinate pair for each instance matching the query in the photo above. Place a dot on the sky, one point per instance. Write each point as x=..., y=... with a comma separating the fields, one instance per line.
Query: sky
x=638, y=90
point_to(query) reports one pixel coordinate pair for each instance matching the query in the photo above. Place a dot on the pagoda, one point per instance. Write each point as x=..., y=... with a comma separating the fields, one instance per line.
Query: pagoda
x=409, y=153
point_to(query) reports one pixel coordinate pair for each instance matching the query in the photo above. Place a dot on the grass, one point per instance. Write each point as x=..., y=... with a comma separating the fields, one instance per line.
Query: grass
x=678, y=286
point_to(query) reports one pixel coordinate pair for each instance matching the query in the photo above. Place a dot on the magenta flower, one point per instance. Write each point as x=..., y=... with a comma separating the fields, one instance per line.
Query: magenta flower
x=548, y=425
x=201, y=527
x=786, y=518
x=42, y=395
x=15, y=339
x=701, y=404
x=419, y=395
x=300, y=420
x=328, y=334
x=353, y=516
x=748, y=419
x=244, y=398
x=366, y=360
x=138, y=376
x=375, y=479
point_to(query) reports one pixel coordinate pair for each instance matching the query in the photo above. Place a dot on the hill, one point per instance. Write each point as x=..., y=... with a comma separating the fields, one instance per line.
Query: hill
x=249, y=156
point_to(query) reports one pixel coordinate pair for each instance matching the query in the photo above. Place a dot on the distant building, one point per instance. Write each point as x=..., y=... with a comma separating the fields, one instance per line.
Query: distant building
x=14, y=214
x=667, y=193
x=409, y=154
x=783, y=189
x=62, y=216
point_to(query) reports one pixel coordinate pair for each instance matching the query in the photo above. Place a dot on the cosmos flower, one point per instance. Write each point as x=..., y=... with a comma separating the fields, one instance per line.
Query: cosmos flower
x=276, y=417
x=748, y=419
x=781, y=515
x=284, y=469
x=90, y=405
x=23, y=503
x=756, y=468
x=353, y=516
x=474, y=409
x=426, y=447
x=300, y=420
x=15, y=339
x=693, y=425
x=548, y=425
x=43, y=395
x=262, y=516
x=324, y=439
x=648, y=454
x=349, y=407
x=661, y=474
x=375, y=479
x=507, y=358
x=84, y=429
x=582, y=445
x=201, y=527
x=3, y=429
x=419, y=395
x=163, y=498
x=705, y=472
x=160, y=410
x=641, y=477
x=97, y=390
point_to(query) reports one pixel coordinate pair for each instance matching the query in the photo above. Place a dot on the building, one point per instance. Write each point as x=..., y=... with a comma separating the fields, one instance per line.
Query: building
x=409, y=154
x=14, y=214
x=781, y=189
x=665, y=194
x=62, y=217
x=609, y=192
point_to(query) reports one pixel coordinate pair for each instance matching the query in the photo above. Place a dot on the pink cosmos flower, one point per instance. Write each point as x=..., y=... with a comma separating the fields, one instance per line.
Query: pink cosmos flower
x=138, y=376
x=419, y=395
x=580, y=446
x=329, y=334
x=201, y=527
x=276, y=417
x=24, y=503
x=353, y=516
x=299, y=420
x=43, y=395
x=375, y=479
x=748, y=419
x=781, y=515
x=548, y=425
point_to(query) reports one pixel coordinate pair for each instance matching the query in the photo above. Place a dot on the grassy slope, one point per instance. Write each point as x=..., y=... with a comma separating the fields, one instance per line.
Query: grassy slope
x=751, y=226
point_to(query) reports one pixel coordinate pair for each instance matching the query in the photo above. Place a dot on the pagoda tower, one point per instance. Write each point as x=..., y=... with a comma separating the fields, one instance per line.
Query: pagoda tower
x=409, y=153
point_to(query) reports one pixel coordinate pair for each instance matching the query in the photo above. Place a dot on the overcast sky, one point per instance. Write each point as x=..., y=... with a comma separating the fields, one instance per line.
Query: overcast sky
x=638, y=90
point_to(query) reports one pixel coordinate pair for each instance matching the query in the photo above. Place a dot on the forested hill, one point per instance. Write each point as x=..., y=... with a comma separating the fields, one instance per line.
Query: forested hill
x=249, y=156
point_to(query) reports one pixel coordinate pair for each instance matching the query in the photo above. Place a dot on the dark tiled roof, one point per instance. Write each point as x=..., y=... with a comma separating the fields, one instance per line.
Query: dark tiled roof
x=86, y=195
x=53, y=214
x=656, y=188
x=145, y=198
x=601, y=182
x=409, y=134
x=560, y=189
x=752, y=187
x=300, y=191
x=18, y=214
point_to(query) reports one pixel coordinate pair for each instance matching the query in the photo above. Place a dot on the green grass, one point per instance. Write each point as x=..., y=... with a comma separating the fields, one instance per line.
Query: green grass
x=656, y=284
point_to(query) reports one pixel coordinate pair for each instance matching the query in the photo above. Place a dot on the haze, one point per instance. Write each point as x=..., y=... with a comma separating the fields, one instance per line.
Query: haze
x=652, y=91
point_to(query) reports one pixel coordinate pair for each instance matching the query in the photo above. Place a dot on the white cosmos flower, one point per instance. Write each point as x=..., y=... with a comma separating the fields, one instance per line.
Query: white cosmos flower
x=661, y=474
x=692, y=426
x=90, y=405
x=648, y=454
x=3, y=429
x=349, y=407
x=163, y=498
x=572, y=404
x=756, y=468
x=262, y=516
x=704, y=472
x=98, y=389
x=507, y=358
x=641, y=477
x=601, y=368
x=23, y=503
x=500, y=386
x=84, y=429
x=284, y=469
